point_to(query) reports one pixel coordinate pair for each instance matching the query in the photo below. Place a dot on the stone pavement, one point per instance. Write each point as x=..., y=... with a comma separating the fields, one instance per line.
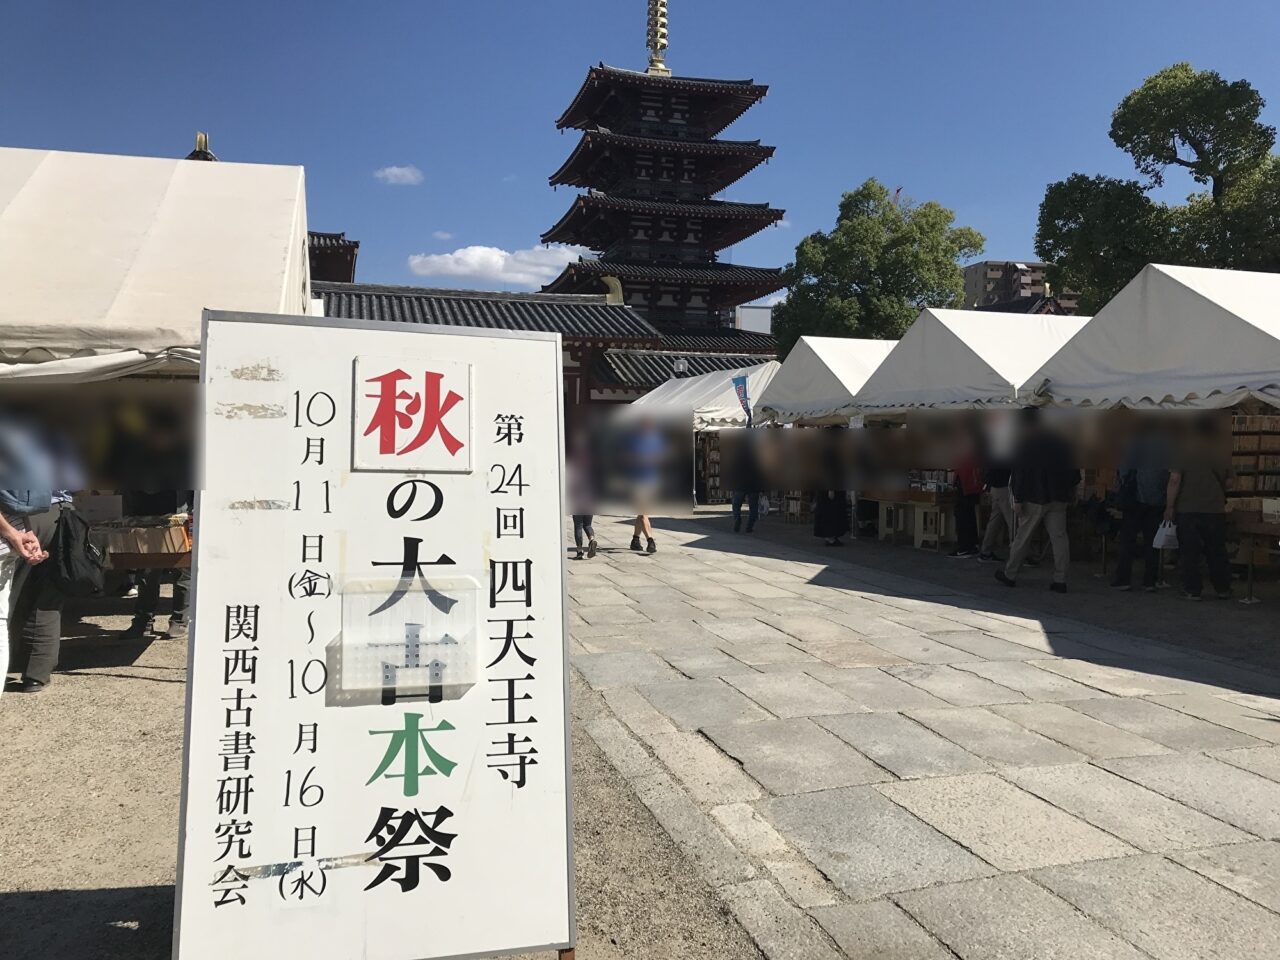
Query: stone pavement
x=865, y=764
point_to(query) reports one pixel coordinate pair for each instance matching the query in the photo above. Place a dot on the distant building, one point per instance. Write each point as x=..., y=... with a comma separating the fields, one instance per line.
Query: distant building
x=756, y=318
x=333, y=256
x=991, y=282
x=1050, y=306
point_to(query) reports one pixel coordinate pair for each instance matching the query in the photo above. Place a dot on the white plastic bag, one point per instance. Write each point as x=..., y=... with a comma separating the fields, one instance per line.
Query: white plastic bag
x=763, y=505
x=1166, y=537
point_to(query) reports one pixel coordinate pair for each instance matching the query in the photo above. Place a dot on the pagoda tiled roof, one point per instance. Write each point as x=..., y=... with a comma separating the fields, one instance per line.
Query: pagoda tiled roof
x=738, y=157
x=330, y=241
x=735, y=96
x=760, y=281
x=576, y=317
x=755, y=216
x=717, y=340
x=646, y=369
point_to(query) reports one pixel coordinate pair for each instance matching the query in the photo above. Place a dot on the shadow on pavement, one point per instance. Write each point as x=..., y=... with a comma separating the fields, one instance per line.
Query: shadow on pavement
x=128, y=923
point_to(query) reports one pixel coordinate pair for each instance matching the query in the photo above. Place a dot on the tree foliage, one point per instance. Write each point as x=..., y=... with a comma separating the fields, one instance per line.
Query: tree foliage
x=1099, y=232
x=886, y=259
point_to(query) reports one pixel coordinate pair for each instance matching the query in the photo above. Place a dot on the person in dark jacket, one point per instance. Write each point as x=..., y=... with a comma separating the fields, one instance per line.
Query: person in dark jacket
x=1043, y=482
x=1144, y=479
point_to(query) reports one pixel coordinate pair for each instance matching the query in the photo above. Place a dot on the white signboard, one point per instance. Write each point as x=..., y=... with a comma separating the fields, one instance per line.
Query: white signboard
x=376, y=757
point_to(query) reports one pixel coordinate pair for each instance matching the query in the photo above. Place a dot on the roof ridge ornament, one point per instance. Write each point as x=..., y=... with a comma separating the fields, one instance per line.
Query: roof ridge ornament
x=658, y=39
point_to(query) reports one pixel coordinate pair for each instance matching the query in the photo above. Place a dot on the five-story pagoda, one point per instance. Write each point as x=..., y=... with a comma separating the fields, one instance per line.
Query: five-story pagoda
x=651, y=165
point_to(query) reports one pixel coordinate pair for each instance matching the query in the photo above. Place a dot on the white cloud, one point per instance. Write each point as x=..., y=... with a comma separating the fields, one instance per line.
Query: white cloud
x=774, y=300
x=520, y=268
x=406, y=176
x=442, y=235
x=784, y=224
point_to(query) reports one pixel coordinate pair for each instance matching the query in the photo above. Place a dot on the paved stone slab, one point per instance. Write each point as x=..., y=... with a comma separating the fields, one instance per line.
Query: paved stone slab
x=626, y=755
x=955, y=686
x=780, y=930
x=810, y=628
x=1264, y=761
x=982, y=645
x=700, y=839
x=1116, y=680
x=623, y=669
x=666, y=611
x=924, y=622
x=850, y=653
x=874, y=690
x=1135, y=814
x=1167, y=910
x=637, y=712
x=1077, y=731
x=994, y=738
x=1007, y=827
x=1241, y=798
x=867, y=845
x=745, y=630
x=1226, y=713
x=651, y=596
x=655, y=636
x=1031, y=681
x=879, y=931
x=1011, y=918
x=766, y=652
x=754, y=589
x=701, y=660
x=692, y=704
x=598, y=596
x=1161, y=724
x=874, y=625
x=1250, y=869
x=792, y=694
x=794, y=607
x=755, y=835
x=902, y=746
x=708, y=775
x=1269, y=705
x=794, y=756
x=611, y=615
x=917, y=648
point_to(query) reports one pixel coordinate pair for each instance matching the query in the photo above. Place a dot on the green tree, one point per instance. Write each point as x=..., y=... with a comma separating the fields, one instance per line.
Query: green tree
x=1099, y=232
x=886, y=259
x=1198, y=121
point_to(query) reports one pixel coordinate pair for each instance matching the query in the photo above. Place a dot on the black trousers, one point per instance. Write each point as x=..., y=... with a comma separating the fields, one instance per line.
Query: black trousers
x=1140, y=522
x=149, y=594
x=752, y=500
x=966, y=514
x=1204, y=535
x=35, y=626
x=581, y=525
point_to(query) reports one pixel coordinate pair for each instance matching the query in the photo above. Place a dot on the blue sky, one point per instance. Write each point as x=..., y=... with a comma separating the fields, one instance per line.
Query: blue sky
x=974, y=104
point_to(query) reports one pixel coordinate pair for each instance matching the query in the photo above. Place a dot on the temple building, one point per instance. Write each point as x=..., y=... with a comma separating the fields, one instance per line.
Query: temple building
x=650, y=164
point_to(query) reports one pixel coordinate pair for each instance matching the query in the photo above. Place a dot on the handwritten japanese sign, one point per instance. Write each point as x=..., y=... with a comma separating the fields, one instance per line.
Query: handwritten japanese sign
x=376, y=749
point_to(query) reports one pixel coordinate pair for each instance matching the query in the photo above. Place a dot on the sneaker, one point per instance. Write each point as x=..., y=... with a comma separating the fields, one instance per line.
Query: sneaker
x=577, y=555
x=138, y=629
x=635, y=544
x=1058, y=587
x=130, y=594
x=1004, y=578
x=652, y=548
x=592, y=548
x=988, y=558
x=1122, y=587
x=176, y=630
x=961, y=554
x=1190, y=596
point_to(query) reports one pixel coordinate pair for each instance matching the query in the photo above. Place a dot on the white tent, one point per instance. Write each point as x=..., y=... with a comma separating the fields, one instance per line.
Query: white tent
x=819, y=378
x=965, y=358
x=1174, y=337
x=110, y=260
x=709, y=399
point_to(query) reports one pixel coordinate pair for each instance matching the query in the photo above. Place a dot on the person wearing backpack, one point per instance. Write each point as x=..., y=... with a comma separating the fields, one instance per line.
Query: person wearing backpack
x=25, y=495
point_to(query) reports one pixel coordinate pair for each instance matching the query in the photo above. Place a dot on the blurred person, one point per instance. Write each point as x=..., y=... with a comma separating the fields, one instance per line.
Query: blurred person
x=26, y=496
x=1143, y=487
x=645, y=452
x=748, y=481
x=831, y=506
x=1196, y=499
x=1043, y=481
x=996, y=471
x=581, y=501
x=35, y=625
x=968, y=488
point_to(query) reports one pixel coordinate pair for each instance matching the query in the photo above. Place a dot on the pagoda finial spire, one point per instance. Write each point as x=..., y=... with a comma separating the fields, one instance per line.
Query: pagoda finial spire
x=658, y=38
